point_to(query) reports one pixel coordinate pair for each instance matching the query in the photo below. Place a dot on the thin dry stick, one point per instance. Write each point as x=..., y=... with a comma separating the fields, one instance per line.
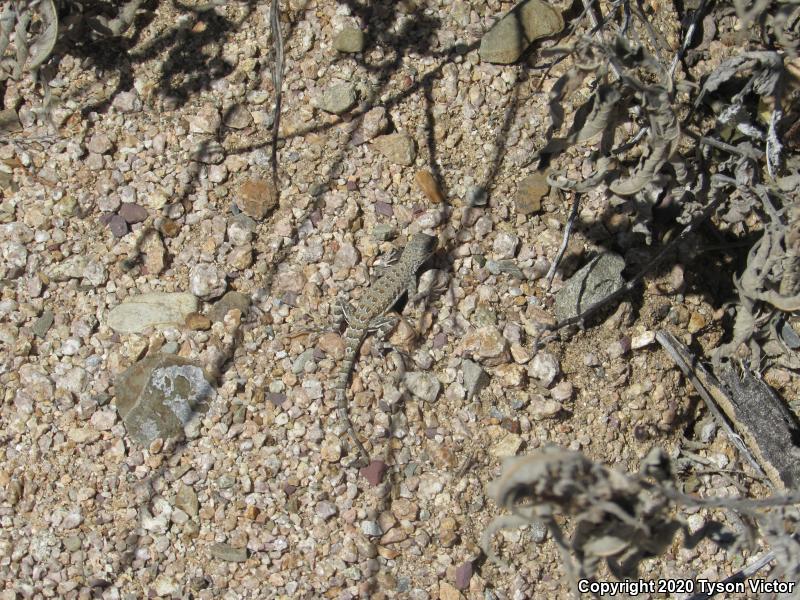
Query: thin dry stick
x=277, y=83
x=567, y=230
x=597, y=26
x=687, y=40
x=676, y=351
x=751, y=153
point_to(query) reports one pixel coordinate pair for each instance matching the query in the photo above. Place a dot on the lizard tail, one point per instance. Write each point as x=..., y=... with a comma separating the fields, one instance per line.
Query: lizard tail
x=344, y=416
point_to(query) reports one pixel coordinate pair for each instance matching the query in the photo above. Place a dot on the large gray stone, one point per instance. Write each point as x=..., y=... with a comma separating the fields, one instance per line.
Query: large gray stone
x=596, y=280
x=507, y=39
x=160, y=396
x=150, y=310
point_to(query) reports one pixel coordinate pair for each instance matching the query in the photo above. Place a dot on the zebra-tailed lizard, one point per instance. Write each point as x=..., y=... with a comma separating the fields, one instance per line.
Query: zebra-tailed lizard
x=370, y=316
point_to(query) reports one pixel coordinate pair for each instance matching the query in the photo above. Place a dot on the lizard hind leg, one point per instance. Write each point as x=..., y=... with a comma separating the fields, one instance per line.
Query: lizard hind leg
x=341, y=312
x=382, y=327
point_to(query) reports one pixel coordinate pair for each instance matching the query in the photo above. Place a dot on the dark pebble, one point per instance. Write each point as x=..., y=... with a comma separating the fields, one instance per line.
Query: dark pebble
x=384, y=208
x=439, y=340
x=276, y=398
x=118, y=226
x=132, y=213
x=374, y=472
x=463, y=575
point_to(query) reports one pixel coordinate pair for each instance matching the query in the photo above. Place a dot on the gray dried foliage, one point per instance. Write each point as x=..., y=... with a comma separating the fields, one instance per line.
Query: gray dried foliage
x=746, y=98
x=620, y=518
x=629, y=86
x=778, y=22
x=29, y=29
x=32, y=26
x=760, y=73
x=768, y=287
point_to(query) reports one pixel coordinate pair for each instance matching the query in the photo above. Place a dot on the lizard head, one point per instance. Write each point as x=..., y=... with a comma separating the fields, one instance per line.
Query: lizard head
x=421, y=246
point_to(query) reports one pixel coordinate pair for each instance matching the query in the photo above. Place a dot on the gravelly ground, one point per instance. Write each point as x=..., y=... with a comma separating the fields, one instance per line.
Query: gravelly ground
x=87, y=512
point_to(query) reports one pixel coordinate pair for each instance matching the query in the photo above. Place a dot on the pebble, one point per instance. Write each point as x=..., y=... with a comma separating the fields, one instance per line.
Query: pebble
x=530, y=192
x=256, y=197
x=118, y=226
x=619, y=347
x=132, y=213
x=209, y=152
x=186, y=500
x=696, y=323
x=338, y=98
x=448, y=592
x=463, y=575
x=238, y=117
x=509, y=37
x=43, y=323
x=326, y=510
x=373, y=124
x=241, y=229
x=9, y=121
x=331, y=450
x=562, y=391
x=422, y=385
x=72, y=543
x=206, y=281
x=230, y=301
x=99, y=143
x=487, y=344
x=228, y=553
x=477, y=196
x=198, y=322
x=346, y=257
x=643, y=339
x=374, y=471
x=154, y=254
x=371, y=529
x=398, y=148
x=427, y=183
x=127, y=102
x=207, y=121
x=154, y=309
x=70, y=268
x=475, y=378
x=349, y=40
x=505, y=245
x=383, y=232
x=543, y=408
x=544, y=367
x=508, y=446
x=72, y=520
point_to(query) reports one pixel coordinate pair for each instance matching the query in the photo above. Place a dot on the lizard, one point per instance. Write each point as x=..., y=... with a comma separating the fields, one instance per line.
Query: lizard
x=370, y=316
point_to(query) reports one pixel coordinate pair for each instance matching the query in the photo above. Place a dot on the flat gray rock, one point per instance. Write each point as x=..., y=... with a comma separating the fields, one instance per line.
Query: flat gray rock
x=338, y=98
x=528, y=21
x=596, y=280
x=138, y=313
x=161, y=395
